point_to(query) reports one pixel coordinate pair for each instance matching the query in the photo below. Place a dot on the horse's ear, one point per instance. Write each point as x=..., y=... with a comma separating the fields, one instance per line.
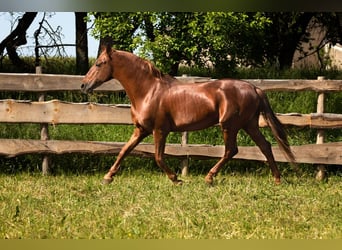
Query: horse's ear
x=107, y=48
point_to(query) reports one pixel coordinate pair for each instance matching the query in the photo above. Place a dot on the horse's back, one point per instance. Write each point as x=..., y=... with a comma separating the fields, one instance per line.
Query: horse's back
x=229, y=84
x=226, y=90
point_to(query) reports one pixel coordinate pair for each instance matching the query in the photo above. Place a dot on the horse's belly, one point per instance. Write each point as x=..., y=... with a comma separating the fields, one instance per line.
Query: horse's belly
x=191, y=107
x=193, y=121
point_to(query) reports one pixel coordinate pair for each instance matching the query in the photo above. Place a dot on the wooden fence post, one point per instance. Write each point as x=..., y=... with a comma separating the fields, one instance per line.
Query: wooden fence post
x=44, y=131
x=185, y=162
x=320, y=133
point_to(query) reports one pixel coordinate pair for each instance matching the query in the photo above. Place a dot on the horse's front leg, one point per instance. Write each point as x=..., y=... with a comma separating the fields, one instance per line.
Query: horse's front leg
x=138, y=135
x=160, y=140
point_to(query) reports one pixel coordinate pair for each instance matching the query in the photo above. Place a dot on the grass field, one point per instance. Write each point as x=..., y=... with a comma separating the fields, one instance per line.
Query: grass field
x=145, y=204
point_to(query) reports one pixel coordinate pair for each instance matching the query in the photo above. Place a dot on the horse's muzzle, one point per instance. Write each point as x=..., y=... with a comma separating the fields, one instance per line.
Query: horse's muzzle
x=84, y=89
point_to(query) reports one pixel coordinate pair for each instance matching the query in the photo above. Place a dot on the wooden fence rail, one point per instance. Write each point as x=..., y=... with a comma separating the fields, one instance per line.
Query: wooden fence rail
x=47, y=82
x=59, y=112
x=327, y=153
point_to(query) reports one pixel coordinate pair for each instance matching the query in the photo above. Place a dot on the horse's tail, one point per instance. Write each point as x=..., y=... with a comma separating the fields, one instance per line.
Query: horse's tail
x=276, y=127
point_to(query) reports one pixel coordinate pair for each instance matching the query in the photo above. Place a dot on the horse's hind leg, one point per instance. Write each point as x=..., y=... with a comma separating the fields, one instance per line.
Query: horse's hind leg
x=138, y=135
x=253, y=130
x=229, y=136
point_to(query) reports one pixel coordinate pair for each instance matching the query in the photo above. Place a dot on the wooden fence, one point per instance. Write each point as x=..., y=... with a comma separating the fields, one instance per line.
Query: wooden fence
x=59, y=112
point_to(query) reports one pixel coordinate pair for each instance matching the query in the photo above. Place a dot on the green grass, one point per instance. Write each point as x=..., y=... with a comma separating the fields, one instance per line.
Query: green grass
x=145, y=204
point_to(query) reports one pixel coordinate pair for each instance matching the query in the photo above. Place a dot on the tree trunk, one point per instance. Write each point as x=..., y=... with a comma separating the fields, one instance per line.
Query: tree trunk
x=16, y=39
x=285, y=34
x=286, y=53
x=82, y=62
x=339, y=16
x=299, y=28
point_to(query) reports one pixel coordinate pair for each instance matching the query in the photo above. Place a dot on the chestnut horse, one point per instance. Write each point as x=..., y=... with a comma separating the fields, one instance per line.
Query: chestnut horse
x=161, y=103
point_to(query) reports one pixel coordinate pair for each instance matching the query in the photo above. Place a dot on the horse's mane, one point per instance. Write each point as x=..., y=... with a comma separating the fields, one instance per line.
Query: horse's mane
x=153, y=70
x=148, y=67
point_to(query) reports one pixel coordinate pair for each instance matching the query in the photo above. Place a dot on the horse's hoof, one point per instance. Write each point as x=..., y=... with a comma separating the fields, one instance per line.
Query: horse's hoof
x=209, y=180
x=107, y=181
x=178, y=182
x=277, y=181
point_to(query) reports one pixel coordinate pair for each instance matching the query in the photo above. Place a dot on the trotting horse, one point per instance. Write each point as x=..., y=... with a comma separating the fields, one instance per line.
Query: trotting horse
x=161, y=104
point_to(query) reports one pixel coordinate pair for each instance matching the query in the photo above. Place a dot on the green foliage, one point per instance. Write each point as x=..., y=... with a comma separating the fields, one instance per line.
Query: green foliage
x=177, y=37
x=169, y=38
x=119, y=26
x=235, y=38
x=225, y=39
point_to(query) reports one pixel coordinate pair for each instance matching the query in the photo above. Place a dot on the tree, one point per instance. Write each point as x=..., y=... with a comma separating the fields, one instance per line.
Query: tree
x=331, y=24
x=227, y=39
x=17, y=38
x=48, y=40
x=290, y=30
x=165, y=38
x=117, y=28
x=235, y=39
x=283, y=37
x=169, y=38
x=224, y=38
x=82, y=62
x=175, y=38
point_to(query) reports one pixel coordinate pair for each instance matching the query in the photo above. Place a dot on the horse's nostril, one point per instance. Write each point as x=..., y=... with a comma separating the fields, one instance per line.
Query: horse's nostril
x=82, y=86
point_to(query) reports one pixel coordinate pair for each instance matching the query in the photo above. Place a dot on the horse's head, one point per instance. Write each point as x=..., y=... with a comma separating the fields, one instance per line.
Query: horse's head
x=99, y=73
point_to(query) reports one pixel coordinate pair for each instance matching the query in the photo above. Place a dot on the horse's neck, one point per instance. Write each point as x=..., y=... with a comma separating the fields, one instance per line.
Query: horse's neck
x=136, y=82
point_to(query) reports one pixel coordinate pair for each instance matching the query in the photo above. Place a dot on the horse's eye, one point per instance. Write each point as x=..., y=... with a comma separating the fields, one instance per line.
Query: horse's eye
x=98, y=64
